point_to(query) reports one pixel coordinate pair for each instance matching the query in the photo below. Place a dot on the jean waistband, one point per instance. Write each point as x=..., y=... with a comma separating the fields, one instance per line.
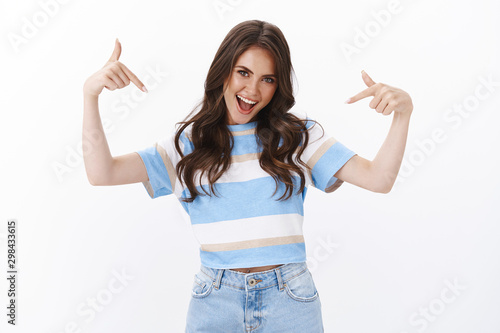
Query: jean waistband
x=255, y=280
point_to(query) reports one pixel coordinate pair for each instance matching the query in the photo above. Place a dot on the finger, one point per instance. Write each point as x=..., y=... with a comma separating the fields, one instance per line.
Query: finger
x=382, y=105
x=365, y=93
x=388, y=109
x=116, y=52
x=110, y=84
x=132, y=77
x=368, y=80
x=118, y=71
x=116, y=79
x=375, y=101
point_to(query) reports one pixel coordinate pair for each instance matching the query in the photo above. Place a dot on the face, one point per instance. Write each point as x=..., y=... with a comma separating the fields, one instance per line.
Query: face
x=250, y=86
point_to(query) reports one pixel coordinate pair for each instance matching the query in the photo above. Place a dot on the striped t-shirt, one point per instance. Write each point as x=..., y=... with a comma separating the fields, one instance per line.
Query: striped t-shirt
x=244, y=226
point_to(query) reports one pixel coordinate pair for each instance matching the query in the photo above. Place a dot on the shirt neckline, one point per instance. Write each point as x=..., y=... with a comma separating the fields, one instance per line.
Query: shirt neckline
x=242, y=127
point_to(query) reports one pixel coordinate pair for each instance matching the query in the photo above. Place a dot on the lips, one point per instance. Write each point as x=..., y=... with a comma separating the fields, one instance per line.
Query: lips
x=244, y=107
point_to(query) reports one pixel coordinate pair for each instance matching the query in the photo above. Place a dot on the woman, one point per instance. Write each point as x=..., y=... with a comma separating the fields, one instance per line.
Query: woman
x=240, y=167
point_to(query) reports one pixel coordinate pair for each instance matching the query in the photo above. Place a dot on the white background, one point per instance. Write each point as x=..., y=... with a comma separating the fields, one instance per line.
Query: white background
x=391, y=256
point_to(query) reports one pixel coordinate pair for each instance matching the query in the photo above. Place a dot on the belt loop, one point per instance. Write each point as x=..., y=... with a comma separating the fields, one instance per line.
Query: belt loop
x=218, y=278
x=278, y=276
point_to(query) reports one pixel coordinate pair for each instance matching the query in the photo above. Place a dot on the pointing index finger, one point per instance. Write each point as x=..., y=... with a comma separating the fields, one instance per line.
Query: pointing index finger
x=370, y=91
x=133, y=77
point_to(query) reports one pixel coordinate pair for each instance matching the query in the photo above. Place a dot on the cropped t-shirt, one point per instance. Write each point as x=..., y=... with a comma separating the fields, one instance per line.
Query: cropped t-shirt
x=244, y=226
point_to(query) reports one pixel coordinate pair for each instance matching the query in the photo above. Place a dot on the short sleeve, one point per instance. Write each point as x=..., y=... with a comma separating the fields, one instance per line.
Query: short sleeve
x=325, y=156
x=160, y=168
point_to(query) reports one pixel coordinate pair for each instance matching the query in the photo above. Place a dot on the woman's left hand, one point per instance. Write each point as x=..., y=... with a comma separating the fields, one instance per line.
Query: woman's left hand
x=386, y=98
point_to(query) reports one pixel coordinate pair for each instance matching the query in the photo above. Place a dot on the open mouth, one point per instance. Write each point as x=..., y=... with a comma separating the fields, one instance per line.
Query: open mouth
x=245, y=105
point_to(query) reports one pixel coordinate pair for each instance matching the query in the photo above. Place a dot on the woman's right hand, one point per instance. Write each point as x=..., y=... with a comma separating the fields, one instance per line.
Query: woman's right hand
x=111, y=76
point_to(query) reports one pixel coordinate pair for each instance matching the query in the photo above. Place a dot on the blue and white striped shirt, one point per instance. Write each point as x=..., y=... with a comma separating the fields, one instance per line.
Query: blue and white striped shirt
x=244, y=226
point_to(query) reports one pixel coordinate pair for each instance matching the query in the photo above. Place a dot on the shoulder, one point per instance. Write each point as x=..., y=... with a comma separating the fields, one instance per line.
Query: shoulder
x=185, y=139
x=168, y=140
x=186, y=135
x=314, y=128
x=304, y=116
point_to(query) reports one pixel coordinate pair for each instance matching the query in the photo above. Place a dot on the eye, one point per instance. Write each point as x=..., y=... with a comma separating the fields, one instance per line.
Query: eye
x=243, y=73
x=269, y=80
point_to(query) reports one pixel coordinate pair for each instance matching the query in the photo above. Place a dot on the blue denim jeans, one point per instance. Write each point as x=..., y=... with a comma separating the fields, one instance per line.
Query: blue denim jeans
x=283, y=299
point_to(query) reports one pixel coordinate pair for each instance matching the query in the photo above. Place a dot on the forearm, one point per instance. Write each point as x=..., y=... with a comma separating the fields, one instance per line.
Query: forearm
x=96, y=154
x=387, y=163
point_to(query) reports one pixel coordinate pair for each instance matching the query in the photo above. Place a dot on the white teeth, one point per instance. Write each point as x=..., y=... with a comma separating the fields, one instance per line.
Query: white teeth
x=246, y=100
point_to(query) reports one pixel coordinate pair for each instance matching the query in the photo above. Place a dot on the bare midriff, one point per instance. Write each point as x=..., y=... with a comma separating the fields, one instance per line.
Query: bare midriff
x=255, y=269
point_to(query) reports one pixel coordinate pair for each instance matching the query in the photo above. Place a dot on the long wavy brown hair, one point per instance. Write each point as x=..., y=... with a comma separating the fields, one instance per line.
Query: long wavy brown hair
x=212, y=139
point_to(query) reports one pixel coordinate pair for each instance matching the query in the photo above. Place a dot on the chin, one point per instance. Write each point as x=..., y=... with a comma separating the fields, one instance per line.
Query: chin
x=242, y=119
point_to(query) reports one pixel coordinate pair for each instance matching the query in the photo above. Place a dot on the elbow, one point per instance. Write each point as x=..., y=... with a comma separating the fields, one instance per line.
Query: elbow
x=386, y=189
x=91, y=181
x=90, y=178
x=98, y=178
x=383, y=188
x=385, y=182
x=96, y=181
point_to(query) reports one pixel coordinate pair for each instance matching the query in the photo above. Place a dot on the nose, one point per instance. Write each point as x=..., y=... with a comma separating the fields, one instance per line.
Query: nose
x=252, y=87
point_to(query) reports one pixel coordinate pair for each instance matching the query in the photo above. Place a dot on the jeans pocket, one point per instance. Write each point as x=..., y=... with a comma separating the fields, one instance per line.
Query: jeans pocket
x=302, y=288
x=202, y=285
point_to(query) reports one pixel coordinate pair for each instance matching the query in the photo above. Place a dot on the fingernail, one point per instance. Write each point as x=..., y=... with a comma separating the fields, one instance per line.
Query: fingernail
x=144, y=89
x=348, y=100
x=363, y=71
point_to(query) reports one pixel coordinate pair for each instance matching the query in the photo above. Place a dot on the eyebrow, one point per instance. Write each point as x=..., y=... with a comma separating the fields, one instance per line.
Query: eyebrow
x=248, y=70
